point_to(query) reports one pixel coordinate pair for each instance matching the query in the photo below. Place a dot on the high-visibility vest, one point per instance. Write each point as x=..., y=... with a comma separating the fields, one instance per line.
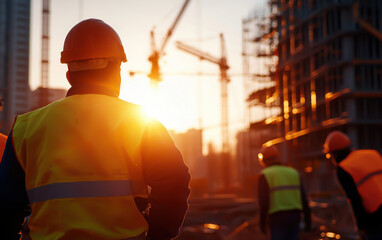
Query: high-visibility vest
x=284, y=188
x=82, y=163
x=365, y=167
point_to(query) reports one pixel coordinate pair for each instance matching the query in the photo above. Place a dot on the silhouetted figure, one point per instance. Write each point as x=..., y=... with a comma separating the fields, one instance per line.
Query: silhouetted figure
x=92, y=166
x=360, y=175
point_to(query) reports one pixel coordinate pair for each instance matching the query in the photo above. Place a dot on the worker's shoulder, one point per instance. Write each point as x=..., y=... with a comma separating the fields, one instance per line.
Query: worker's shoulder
x=291, y=171
x=364, y=153
x=128, y=109
x=75, y=104
x=128, y=105
x=25, y=116
x=368, y=157
x=281, y=167
x=101, y=101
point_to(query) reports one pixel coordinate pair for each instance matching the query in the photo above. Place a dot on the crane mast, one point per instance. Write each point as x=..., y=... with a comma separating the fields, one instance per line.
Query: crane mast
x=43, y=97
x=155, y=75
x=223, y=66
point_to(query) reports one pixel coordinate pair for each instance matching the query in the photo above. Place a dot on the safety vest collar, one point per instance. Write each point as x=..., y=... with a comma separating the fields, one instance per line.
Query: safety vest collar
x=85, y=189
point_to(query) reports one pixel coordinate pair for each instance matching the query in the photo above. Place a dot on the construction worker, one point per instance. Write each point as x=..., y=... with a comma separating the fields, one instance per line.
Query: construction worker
x=281, y=197
x=360, y=174
x=92, y=166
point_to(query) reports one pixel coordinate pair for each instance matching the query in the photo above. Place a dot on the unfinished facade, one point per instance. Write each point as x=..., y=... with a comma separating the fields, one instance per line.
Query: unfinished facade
x=328, y=77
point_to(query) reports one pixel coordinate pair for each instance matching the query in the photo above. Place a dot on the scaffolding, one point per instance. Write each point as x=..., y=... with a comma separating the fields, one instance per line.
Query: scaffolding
x=259, y=42
x=327, y=77
x=44, y=91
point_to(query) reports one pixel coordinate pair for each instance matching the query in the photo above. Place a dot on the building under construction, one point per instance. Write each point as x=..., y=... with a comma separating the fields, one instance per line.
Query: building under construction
x=327, y=76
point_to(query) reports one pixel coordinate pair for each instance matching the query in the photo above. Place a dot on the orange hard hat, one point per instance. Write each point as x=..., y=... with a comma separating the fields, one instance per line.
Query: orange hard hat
x=268, y=153
x=92, y=39
x=335, y=141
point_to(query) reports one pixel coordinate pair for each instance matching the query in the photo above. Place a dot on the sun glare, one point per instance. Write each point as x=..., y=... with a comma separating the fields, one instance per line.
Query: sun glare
x=138, y=90
x=152, y=106
x=163, y=103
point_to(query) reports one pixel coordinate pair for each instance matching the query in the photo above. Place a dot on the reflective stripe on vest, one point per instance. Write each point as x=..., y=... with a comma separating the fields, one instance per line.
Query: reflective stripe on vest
x=118, y=188
x=365, y=167
x=367, y=177
x=284, y=185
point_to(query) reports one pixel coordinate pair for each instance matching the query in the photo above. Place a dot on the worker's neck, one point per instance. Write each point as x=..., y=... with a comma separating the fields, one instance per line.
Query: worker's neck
x=341, y=155
x=92, y=89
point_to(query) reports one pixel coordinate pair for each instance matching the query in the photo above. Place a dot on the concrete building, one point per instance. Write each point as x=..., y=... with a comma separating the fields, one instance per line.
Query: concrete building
x=190, y=144
x=328, y=77
x=14, y=60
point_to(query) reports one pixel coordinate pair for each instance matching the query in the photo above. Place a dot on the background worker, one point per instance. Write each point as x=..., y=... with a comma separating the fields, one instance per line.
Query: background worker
x=281, y=197
x=85, y=163
x=360, y=175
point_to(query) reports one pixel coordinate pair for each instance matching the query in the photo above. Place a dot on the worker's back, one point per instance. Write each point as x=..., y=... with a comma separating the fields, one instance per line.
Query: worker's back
x=365, y=167
x=84, y=163
x=284, y=187
x=81, y=156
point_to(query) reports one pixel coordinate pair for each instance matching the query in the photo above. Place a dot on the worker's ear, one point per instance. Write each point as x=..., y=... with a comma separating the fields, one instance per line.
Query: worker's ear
x=68, y=77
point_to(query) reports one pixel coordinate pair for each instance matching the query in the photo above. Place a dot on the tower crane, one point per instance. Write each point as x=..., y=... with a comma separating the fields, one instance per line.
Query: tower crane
x=155, y=75
x=223, y=66
x=43, y=97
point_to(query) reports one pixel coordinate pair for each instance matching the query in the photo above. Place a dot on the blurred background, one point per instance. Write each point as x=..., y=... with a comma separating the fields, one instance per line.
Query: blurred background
x=225, y=77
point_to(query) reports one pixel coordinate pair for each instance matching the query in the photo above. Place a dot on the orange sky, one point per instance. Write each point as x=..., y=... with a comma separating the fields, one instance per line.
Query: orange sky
x=183, y=101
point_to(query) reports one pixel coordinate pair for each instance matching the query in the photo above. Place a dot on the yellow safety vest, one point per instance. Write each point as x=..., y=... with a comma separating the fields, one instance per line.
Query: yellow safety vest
x=365, y=167
x=284, y=188
x=82, y=163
